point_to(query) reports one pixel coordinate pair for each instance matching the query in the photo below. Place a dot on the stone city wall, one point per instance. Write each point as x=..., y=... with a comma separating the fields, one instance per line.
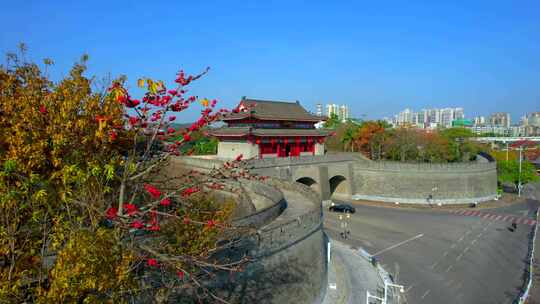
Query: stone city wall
x=451, y=183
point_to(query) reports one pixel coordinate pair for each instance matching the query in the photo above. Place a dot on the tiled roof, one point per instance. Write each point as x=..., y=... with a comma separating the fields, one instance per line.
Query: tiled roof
x=268, y=132
x=273, y=110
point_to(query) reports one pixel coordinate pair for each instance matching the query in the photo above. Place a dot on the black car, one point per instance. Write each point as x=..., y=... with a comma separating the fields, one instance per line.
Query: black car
x=342, y=208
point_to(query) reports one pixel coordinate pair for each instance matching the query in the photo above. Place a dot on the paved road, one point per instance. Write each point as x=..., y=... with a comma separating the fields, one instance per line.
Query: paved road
x=459, y=258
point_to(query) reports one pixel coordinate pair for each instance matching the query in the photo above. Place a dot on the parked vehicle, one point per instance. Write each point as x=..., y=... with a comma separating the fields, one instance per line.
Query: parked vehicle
x=344, y=208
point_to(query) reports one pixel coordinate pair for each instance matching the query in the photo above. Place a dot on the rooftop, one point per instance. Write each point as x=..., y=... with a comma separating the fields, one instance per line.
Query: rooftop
x=272, y=110
x=244, y=131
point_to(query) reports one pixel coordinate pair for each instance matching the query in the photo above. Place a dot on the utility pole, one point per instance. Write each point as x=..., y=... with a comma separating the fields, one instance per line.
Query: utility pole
x=519, y=177
x=507, y=151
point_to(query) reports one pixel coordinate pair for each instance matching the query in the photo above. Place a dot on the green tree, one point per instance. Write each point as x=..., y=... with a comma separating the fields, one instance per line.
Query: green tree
x=508, y=172
x=348, y=136
x=333, y=122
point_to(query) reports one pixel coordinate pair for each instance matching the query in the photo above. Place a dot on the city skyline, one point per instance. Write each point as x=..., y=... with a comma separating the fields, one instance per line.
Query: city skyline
x=360, y=55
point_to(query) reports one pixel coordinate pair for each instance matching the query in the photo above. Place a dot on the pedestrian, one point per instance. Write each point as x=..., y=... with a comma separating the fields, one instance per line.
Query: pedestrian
x=514, y=225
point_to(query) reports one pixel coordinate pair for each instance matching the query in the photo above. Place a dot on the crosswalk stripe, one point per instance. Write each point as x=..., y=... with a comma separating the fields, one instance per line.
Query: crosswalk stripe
x=498, y=217
x=505, y=218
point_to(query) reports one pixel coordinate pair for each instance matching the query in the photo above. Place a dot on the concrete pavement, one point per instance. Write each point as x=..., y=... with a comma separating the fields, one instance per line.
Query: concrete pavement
x=459, y=259
x=349, y=276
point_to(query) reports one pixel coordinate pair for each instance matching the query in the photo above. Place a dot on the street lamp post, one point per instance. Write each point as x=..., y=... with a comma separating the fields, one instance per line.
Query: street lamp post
x=344, y=225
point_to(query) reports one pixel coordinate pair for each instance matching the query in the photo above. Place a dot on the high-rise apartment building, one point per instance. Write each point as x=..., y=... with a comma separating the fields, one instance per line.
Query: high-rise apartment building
x=500, y=119
x=533, y=119
x=319, y=109
x=447, y=116
x=405, y=117
x=430, y=118
x=343, y=113
x=332, y=109
x=479, y=121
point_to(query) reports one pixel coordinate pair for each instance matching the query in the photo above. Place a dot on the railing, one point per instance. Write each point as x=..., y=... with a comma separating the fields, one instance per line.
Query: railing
x=277, y=237
x=525, y=293
x=389, y=165
x=301, y=160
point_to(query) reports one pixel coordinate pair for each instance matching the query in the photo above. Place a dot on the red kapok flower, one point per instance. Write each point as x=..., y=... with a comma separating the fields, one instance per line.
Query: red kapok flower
x=154, y=227
x=180, y=274
x=171, y=130
x=165, y=202
x=130, y=209
x=153, y=191
x=186, y=220
x=210, y=223
x=189, y=191
x=111, y=213
x=187, y=137
x=113, y=135
x=133, y=120
x=152, y=263
x=239, y=157
x=171, y=118
x=42, y=109
x=172, y=92
x=137, y=224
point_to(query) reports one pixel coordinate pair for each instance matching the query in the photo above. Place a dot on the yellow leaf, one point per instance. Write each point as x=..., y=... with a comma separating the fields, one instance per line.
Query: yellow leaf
x=204, y=102
x=140, y=83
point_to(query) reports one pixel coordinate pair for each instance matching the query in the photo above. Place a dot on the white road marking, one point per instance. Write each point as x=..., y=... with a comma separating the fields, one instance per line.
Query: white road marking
x=473, y=241
x=453, y=245
x=498, y=217
x=466, y=249
x=459, y=257
x=449, y=268
x=426, y=293
x=460, y=239
x=398, y=244
x=445, y=253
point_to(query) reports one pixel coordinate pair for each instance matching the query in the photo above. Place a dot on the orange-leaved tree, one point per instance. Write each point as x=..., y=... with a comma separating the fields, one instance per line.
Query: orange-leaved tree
x=84, y=218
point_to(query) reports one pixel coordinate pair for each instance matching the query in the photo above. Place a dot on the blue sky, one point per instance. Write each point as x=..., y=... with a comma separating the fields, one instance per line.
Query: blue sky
x=378, y=57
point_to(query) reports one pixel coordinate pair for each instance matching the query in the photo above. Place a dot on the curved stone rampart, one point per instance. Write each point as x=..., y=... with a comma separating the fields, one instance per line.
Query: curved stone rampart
x=274, y=204
x=288, y=250
x=450, y=183
x=289, y=256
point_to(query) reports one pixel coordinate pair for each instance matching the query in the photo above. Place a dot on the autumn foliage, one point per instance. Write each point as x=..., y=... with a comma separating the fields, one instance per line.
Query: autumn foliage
x=84, y=216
